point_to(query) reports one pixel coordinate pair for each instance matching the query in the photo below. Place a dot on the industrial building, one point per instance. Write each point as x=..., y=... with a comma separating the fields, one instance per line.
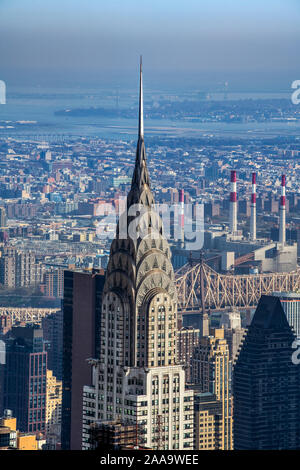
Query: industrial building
x=251, y=255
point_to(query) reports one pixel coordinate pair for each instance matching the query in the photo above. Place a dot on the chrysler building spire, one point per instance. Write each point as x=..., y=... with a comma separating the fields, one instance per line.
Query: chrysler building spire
x=140, y=180
x=141, y=104
x=138, y=330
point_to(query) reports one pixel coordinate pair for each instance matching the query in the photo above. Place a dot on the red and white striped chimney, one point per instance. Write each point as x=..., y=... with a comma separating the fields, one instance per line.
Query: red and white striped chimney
x=181, y=215
x=233, y=203
x=282, y=212
x=253, y=209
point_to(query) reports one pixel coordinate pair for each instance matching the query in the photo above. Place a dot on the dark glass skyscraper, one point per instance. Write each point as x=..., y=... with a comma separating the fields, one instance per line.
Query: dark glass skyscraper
x=266, y=383
x=81, y=330
x=25, y=378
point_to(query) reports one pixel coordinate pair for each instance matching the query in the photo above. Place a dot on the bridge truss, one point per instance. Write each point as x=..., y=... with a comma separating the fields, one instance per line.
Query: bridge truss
x=28, y=315
x=223, y=291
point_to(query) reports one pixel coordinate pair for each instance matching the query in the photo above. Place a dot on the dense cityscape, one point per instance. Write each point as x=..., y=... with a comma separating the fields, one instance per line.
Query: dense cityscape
x=59, y=278
x=149, y=271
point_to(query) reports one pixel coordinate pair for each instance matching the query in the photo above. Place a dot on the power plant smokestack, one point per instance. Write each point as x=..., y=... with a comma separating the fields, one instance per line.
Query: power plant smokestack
x=253, y=209
x=233, y=204
x=181, y=216
x=282, y=212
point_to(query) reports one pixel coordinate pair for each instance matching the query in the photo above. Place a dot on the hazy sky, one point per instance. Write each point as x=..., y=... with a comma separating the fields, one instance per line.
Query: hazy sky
x=94, y=40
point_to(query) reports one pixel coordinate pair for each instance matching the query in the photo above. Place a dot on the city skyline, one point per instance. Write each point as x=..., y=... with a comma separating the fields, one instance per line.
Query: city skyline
x=149, y=228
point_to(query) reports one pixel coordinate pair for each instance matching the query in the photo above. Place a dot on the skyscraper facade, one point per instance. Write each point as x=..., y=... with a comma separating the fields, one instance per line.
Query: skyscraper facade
x=54, y=283
x=137, y=378
x=25, y=378
x=81, y=330
x=187, y=340
x=53, y=334
x=19, y=268
x=290, y=302
x=208, y=422
x=2, y=217
x=53, y=408
x=211, y=370
x=266, y=383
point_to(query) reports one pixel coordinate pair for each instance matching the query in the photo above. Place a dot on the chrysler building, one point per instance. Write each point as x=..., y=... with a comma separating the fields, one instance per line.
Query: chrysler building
x=136, y=378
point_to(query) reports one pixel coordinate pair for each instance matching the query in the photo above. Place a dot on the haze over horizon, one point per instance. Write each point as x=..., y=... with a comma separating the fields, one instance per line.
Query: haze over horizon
x=250, y=44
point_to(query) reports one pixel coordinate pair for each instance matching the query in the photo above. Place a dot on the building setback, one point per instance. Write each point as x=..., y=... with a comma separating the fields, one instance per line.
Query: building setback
x=266, y=383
